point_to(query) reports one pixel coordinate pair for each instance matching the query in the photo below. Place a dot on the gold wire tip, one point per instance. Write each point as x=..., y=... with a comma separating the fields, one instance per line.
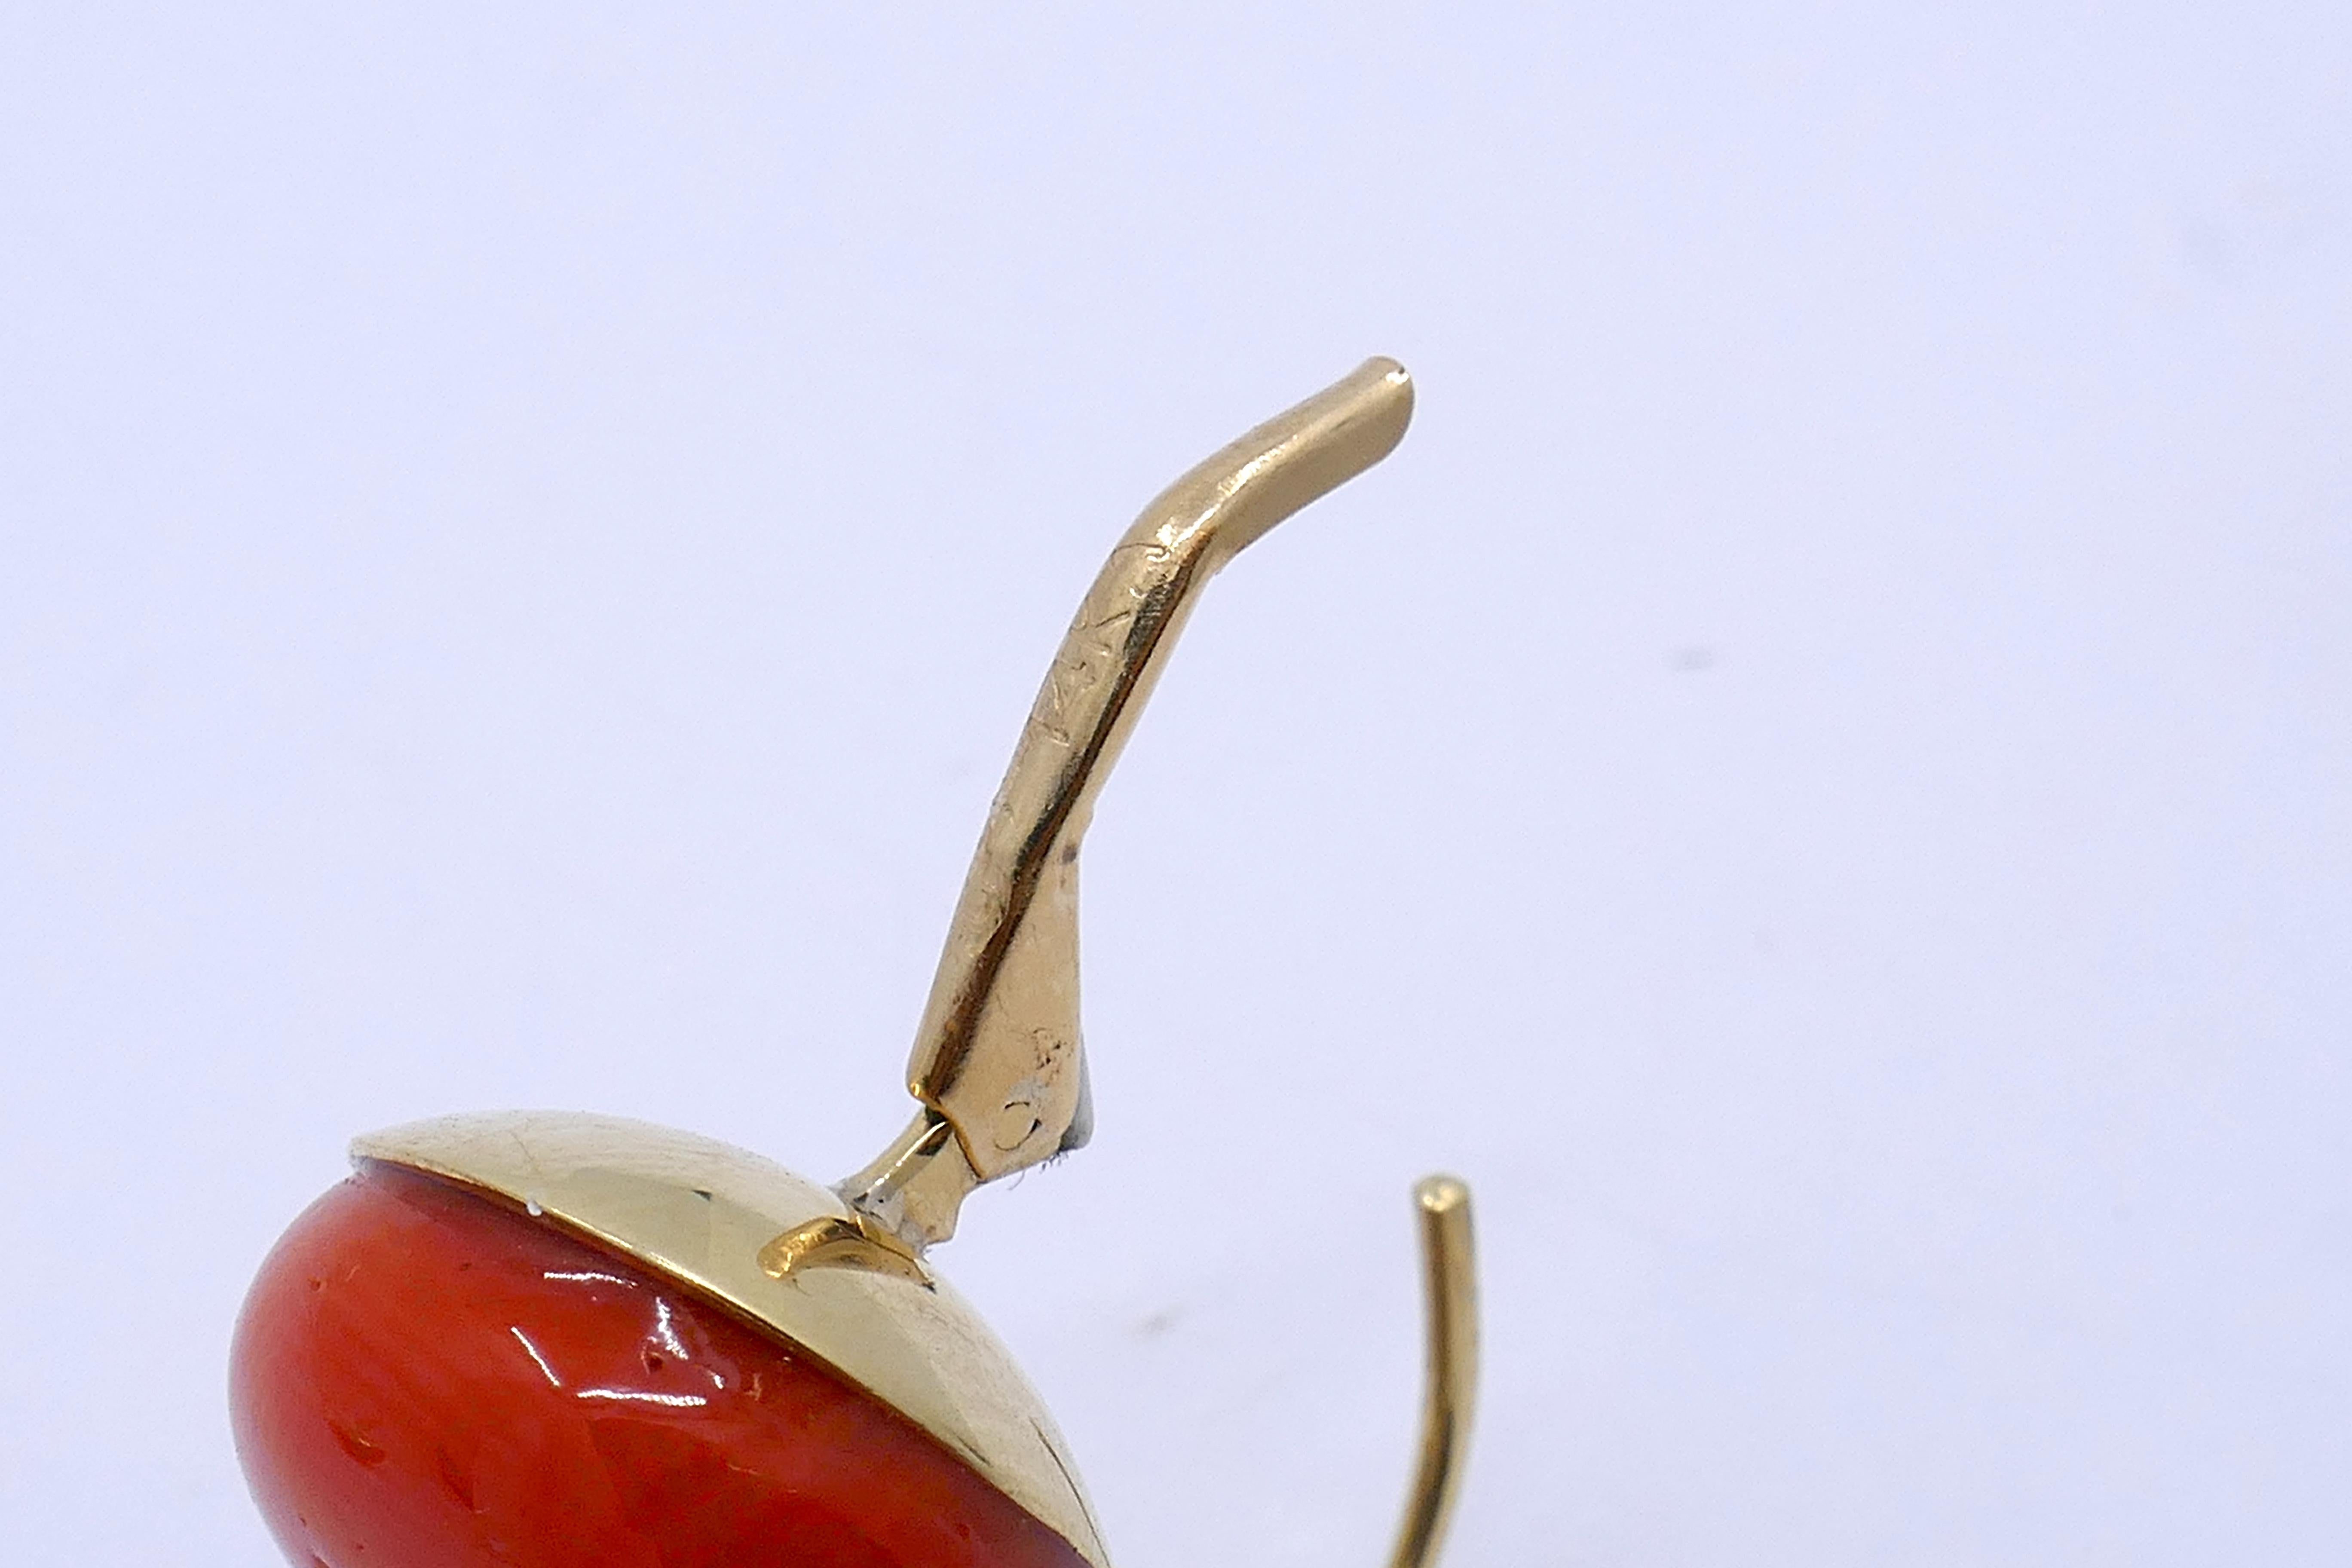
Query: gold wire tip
x=1449, y=1274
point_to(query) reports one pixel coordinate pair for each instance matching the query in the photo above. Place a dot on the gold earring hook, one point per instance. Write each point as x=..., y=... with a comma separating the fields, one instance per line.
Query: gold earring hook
x=998, y=1066
x=997, y=1063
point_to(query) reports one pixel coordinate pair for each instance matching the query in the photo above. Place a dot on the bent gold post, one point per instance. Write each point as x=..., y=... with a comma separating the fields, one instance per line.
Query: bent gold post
x=1450, y=1381
x=997, y=1063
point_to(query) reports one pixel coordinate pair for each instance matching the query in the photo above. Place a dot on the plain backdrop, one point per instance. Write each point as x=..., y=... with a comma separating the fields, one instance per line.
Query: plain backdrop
x=1819, y=777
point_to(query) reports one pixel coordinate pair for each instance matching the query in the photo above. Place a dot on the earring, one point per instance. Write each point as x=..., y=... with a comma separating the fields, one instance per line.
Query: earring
x=556, y=1340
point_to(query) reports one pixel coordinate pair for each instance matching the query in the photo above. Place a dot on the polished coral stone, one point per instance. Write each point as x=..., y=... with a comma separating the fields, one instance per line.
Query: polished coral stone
x=424, y=1378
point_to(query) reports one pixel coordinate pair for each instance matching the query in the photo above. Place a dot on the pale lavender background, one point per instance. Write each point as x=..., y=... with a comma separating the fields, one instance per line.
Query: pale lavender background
x=1817, y=777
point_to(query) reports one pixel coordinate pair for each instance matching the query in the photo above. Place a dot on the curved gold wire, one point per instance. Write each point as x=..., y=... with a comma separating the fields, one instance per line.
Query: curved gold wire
x=1449, y=1271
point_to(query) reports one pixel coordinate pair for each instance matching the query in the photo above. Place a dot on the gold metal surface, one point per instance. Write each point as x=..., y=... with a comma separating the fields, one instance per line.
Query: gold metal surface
x=704, y=1212
x=1449, y=1272
x=830, y=1241
x=997, y=1061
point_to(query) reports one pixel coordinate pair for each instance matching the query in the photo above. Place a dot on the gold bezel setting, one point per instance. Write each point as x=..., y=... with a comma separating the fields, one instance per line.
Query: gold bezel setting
x=702, y=1212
